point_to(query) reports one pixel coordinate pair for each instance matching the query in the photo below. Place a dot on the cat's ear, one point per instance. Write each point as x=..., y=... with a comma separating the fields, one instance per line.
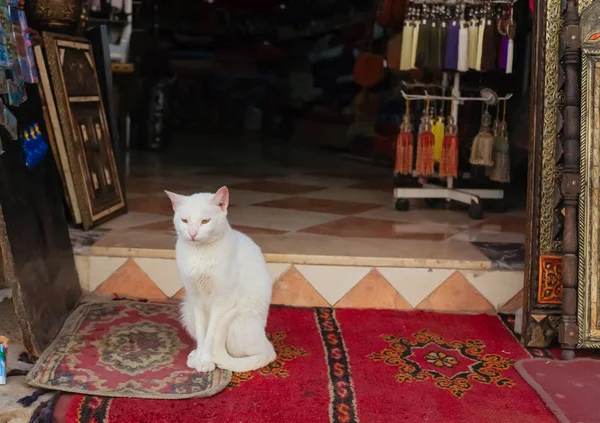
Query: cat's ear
x=176, y=199
x=221, y=198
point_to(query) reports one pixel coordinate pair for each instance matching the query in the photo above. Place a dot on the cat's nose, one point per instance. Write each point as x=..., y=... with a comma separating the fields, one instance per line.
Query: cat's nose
x=193, y=235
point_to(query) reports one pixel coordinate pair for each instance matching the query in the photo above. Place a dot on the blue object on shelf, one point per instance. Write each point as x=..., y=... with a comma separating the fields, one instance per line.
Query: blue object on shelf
x=35, y=146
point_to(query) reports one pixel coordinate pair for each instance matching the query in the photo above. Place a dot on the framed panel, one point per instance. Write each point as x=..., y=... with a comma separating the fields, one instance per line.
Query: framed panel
x=72, y=82
x=589, y=199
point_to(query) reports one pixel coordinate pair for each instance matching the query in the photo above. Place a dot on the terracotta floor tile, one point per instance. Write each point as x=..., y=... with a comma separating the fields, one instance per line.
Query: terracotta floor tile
x=357, y=227
x=456, y=294
x=277, y=187
x=504, y=224
x=292, y=289
x=150, y=204
x=141, y=186
x=249, y=230
x=373, y=291
x=164, y=226
x=279, y=219
x=384, y=184
x=320, y=205
x=131, y=281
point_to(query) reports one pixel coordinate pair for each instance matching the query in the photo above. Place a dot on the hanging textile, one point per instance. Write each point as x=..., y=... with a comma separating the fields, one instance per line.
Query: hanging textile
x=438, y=135
x=405, y=145
x=425, y=141
x=501, y=170
x=394, y=51
x=451, y=56
x=407, y=43
x=449, y=160
x=488, y=53
x=482, y=150
x=423, y=54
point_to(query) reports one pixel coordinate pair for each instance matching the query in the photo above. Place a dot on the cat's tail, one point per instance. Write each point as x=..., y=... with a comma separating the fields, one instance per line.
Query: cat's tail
x=237, y=364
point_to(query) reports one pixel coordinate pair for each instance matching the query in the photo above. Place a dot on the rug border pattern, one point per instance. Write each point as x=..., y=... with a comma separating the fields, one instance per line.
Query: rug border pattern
x=72, y=322
x=342, y=405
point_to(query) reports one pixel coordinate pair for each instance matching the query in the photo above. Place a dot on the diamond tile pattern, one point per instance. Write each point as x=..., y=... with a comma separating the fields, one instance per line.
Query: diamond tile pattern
x=312, y=218
x=333, y=286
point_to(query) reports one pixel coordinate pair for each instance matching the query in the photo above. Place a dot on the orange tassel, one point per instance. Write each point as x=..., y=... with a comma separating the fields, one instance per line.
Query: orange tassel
x=449, y=160
x=404, y=153
x=425, y=145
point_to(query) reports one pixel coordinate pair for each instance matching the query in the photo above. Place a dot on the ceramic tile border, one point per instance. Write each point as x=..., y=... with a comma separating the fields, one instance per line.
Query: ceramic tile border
x=312, y=283
x=312, y=259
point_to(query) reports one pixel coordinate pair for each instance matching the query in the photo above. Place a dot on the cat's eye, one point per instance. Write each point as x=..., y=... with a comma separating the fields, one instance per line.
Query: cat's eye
x=205, y=221
x=184, y=220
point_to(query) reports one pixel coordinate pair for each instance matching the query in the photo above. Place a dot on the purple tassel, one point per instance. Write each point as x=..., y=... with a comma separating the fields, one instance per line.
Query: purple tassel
x=503, y=56
x=451, y=59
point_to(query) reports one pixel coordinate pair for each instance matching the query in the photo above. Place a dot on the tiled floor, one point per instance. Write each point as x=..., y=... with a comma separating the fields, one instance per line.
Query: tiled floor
x=318, y=220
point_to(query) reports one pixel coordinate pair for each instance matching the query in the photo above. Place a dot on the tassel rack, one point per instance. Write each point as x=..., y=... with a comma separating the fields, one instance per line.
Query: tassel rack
x=432, y=192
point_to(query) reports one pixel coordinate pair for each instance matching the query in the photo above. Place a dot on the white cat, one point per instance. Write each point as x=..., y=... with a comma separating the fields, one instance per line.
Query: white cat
x=227, y=286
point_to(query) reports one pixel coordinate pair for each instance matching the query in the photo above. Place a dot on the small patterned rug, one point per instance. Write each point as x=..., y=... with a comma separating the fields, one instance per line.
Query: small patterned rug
x=569, y=388
x=124, y=349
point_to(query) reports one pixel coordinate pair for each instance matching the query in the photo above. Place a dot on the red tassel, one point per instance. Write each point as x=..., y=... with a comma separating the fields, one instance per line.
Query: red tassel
x=449, y=160
x=425, y=145
x=404, y=153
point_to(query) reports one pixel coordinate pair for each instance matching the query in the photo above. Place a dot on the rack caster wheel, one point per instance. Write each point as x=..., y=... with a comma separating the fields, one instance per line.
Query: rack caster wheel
x=432, y=202
x=402, y=204
x=475, y=211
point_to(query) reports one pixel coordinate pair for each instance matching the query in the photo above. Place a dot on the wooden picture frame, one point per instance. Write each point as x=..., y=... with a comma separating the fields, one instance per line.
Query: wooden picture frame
x=589, y=196
x=81, y=140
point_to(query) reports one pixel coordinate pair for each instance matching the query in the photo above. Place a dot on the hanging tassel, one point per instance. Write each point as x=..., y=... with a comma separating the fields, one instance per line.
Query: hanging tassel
x=404, y=146
x=463, y=47
x=502, y=57
x=438, y=135
x=423, y=44
x=443, y=43
x=451, y=56
x=425, y=143
x=406, y=53
x=501, y=170
x=488, y=52
x=482, y=150
x=449, y=160
x=415, y=44
x=511, y=31
x=473, y=35
x=509, y=56
x=435, y=36
x=495, y=133
x=480, y=37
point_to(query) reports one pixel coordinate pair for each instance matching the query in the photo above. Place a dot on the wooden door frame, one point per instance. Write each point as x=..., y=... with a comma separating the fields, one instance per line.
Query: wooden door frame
x=551, y=262
x=543, y=244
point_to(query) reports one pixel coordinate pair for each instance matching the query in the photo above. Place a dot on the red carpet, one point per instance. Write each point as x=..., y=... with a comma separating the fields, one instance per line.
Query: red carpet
x=357, y=365
x=570, y=388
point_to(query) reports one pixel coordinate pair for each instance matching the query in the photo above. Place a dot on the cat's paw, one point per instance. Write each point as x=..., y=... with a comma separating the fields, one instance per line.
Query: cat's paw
x=191, y=360
x=203, y=366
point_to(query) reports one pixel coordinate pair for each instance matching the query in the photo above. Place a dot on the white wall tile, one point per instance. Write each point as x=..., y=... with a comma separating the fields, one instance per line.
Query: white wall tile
x=333, y=282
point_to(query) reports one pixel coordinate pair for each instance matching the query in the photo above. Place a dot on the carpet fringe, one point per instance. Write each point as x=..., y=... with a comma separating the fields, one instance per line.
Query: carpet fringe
x=44, y=413
x=28, y=400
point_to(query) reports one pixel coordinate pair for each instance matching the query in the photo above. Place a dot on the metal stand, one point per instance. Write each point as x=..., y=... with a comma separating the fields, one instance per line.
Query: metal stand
x=430, y=191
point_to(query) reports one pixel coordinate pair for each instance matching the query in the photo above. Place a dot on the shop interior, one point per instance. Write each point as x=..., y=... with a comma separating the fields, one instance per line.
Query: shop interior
x=266, y=98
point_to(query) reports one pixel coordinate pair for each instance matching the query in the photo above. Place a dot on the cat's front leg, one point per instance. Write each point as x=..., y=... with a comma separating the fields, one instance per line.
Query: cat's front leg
x=200, y=321
x=204, y=362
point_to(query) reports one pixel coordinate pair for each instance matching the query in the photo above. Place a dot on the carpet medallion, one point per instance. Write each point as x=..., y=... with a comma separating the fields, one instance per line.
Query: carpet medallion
x=349, y=366
x=124, y=349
